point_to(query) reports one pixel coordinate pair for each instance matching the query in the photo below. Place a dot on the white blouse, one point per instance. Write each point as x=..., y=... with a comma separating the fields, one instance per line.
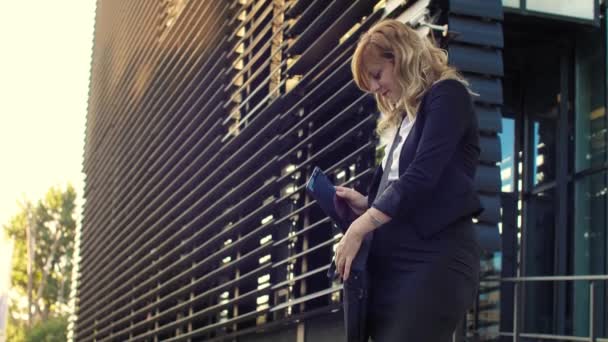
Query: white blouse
x=404, y=131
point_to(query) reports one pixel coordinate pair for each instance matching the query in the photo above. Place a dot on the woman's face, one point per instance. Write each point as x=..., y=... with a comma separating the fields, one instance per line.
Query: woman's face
x=382, y=78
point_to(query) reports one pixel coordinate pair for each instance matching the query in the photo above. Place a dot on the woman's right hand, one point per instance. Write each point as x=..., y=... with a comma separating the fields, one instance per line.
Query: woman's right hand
x=355, y=200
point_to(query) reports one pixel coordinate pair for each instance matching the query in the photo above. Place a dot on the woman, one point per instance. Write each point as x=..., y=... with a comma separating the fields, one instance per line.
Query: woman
x=424, y=257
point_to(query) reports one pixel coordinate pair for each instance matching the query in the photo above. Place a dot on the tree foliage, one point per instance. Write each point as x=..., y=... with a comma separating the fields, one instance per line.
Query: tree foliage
x=53, y=329
x=53, y=226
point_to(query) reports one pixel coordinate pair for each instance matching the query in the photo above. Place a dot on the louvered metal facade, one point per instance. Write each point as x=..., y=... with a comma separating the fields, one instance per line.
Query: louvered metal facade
x=205, y=120
x=476, y=50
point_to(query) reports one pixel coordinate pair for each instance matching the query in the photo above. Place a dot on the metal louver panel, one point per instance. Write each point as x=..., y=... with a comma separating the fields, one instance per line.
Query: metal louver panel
x=475, y=50
x=205, y=120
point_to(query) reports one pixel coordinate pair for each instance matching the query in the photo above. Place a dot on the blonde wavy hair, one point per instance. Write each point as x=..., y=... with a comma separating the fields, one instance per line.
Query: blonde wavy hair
x=418, y=64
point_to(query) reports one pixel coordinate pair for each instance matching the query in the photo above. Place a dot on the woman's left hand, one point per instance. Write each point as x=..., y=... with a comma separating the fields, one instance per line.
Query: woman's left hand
x=349, y=245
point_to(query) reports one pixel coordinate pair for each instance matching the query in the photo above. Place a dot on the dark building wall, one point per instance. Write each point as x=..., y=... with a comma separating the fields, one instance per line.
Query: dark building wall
x=205, y=120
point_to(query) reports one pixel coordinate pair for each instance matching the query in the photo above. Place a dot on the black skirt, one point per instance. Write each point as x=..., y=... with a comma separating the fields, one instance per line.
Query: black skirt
x=420, y=289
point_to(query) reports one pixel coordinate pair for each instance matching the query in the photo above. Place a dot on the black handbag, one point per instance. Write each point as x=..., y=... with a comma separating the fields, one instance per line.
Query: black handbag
x=356, y=296
x=356, y=287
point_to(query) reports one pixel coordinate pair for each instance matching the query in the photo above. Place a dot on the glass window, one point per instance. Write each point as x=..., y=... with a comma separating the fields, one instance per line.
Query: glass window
x=589, y=253
x=511, y=3
x=543, y=148
x=539, y=261
x=583, y=9
x=590, y=225
x=507, y=166
x=590, y=241
x=590, y=102
x=541, y=107
x=540, y=236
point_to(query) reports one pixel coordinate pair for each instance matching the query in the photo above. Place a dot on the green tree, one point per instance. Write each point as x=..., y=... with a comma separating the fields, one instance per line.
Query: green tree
x=53, y=226
x=53, y=329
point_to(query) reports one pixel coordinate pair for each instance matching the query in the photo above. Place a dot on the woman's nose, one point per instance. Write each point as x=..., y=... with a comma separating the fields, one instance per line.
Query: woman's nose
x=374, y=87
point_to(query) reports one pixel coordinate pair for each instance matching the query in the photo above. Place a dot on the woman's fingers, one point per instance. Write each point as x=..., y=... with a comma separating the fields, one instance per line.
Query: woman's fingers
x=339, y=264
x=340, y=257
x=356, y=201
x=345, y=192
x=346, y=270
x=343, y=264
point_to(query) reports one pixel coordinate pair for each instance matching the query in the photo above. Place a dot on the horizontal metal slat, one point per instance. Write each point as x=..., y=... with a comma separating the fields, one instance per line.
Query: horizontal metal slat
x=337, y=55
x=490, y=149
x=320, y=23
x=297, y=7
x=308, y=297
x=184, y=124
x=324, y=70
x=491, y=205
x=294, y=122
x=490, y=118
x=489, y=237
x=487, y=179
x=208, y=212
x=477, y=60
x=489, y=89
x=133, y=199
x=205, y=312
x=209, y=276
x=187, y=274
x=167, y=64
x=476, y=32
x=314, y=9
x=335, y=28
x=131, y=146
x=365, y=150
x=237, y=21
x=160, y=243
x=340, y=140
x=477, y=8
x=253, y=25
x=135, y=227
x=312, y=97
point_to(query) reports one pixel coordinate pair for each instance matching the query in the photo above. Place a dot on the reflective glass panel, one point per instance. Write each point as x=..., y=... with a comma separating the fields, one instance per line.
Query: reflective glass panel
x=590, y=241
x=544, y=148
x=539, y=240
x=583, y=9
x=542, y=100
x=511, y=3
x=507, y=164
x=590, y=102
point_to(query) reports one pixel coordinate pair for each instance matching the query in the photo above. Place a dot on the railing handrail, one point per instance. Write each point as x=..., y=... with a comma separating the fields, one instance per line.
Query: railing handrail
x=553, y=337
x=518, y=281
x=600, y=277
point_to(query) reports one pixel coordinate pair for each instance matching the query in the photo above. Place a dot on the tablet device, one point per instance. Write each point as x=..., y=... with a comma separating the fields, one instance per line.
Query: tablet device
x=323, y=191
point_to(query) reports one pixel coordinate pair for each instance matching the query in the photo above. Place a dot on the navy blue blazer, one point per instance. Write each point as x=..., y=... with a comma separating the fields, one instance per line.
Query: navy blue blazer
x=436, y=166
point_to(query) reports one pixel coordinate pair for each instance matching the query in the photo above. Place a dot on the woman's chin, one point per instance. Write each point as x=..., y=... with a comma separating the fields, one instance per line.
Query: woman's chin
x=393, y=101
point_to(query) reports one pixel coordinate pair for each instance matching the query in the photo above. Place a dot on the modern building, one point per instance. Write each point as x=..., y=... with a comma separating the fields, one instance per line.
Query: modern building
x=206, y=118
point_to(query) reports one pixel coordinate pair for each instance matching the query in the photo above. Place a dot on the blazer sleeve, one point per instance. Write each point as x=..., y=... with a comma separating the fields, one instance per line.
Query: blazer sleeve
x=448, y=115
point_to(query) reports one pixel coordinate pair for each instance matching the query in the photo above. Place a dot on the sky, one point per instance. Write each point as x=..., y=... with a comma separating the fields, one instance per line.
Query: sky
x=44, y=80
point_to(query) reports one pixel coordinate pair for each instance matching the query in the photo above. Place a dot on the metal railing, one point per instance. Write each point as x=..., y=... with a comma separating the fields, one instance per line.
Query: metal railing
x=517, y=304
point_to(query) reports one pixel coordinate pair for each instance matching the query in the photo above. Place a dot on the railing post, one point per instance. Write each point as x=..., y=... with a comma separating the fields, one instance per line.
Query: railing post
x=592, y=311
x=515, y=311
